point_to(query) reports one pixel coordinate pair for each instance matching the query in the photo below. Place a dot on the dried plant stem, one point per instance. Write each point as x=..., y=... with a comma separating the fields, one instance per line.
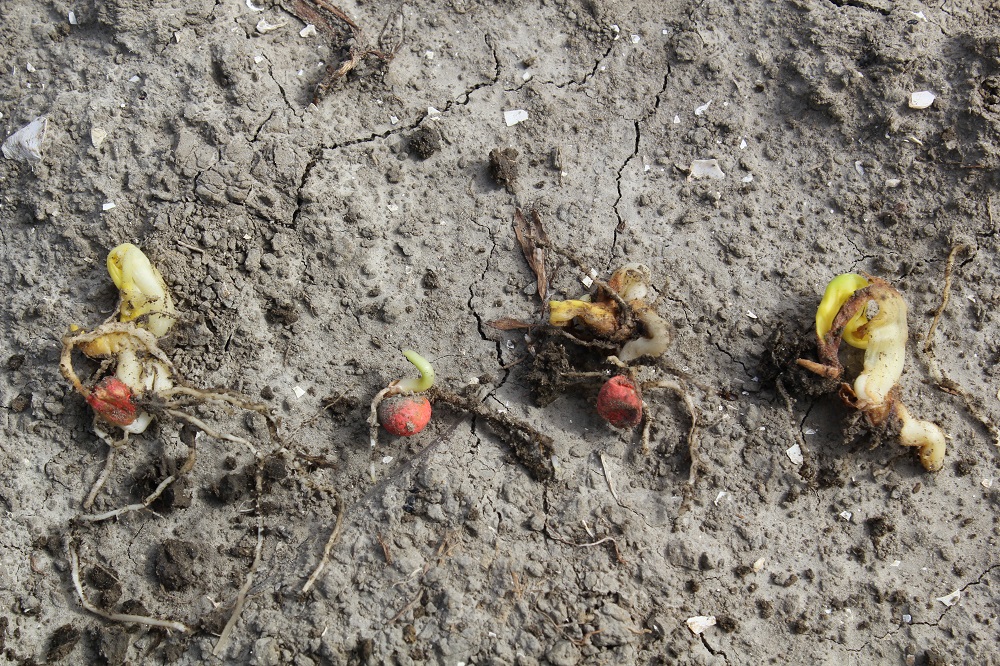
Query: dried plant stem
x=74, y=561
x=334, y=535
x=208, y=430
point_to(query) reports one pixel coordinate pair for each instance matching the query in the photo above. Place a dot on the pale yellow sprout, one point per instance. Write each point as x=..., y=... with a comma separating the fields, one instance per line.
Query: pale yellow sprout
x=142, y=291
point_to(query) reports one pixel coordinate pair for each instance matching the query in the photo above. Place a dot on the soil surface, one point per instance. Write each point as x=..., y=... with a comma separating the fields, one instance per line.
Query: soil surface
x=310, y=226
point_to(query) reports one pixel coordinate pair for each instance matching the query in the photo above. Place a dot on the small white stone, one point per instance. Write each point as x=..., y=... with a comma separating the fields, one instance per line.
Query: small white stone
x=846, y=515
x=677, y=120
x=635, y=39
x=72, y=18
x=28, y=66
x=107, y=205
x=264, y=26
x=393, y=120
x=794, y=454
x=951, y=599
x=97, y=136
x=386, y=460
x=922, y=99
x=307, y=31
x=514, y=116
x=700, y=623
x=758, y=565
x=892, y=182
x=135, y=79
x=705, y=169
x=747, y=178
x=743, y=144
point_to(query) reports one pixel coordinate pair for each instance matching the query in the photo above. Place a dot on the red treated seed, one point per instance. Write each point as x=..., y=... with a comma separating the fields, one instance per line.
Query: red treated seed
x=619, y=402
x=404, y=414
x=112, y=400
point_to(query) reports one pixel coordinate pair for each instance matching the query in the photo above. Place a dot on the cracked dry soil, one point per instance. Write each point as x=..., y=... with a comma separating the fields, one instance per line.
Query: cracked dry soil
x=306, y=243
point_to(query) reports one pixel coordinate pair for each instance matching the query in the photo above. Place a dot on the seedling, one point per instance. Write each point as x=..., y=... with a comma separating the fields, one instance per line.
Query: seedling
x=398, y=407
x=870, y=314
x=136, y=380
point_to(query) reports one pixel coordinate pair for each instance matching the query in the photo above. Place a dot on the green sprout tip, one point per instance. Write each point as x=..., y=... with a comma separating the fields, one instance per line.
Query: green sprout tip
x=414, y=384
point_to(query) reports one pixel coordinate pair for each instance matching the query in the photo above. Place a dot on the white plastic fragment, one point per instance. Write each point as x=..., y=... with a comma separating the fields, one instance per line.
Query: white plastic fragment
x=846, y=515
x=514, y=116
x=751, y=314
x=72, y=18
x=307, y=31
x=987, y=483
x=743, y=144
x=951, y=599
x=747, y=178
x=386, y=460
x=722, y=493
x=393, y=120
x=794, y=454
x=920, y=15
x=264, y=26
x=298, y=391
x=431, y=112
x=809, y=431
x=706, y=169
x=922, y=99
x=896, y=563
x=859, y=167
x=677, y=120
x=26, y=143
x=907, y=618
x=700, y=623
x=892, y=182
x=97, y=136
x=107, y=205
x=254, y=8
x=703, y=108
x=135, y=79
x=636, y=39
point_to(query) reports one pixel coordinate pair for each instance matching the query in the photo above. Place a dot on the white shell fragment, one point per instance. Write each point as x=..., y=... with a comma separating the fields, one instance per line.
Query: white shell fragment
x=308, y=31
x=700, y=623
x=97, y=136
x=514, y=116
x=26, y=143
x=951, y=599
x=703, y=108
x=794, y=454
x=706, y=169
x=922, y=99
x=264, y=26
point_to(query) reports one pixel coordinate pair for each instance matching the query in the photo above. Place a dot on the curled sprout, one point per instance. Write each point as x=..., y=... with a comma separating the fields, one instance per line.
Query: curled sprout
x=416, y=384
x=837, y=293
x=869, y=313
x=143, y=293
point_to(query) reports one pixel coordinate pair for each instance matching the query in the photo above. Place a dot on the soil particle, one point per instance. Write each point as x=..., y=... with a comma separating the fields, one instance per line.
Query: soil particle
x=503, y=167
x=62, y=642
x=112, y=644
x=175, y=564
x=425, y=142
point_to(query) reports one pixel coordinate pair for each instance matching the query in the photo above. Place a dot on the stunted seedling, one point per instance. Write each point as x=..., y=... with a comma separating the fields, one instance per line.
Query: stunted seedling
x=868, y=313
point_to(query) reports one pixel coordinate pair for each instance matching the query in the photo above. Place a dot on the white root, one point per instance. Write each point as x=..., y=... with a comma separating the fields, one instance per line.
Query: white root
x=334, y=535
x=74, y=562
